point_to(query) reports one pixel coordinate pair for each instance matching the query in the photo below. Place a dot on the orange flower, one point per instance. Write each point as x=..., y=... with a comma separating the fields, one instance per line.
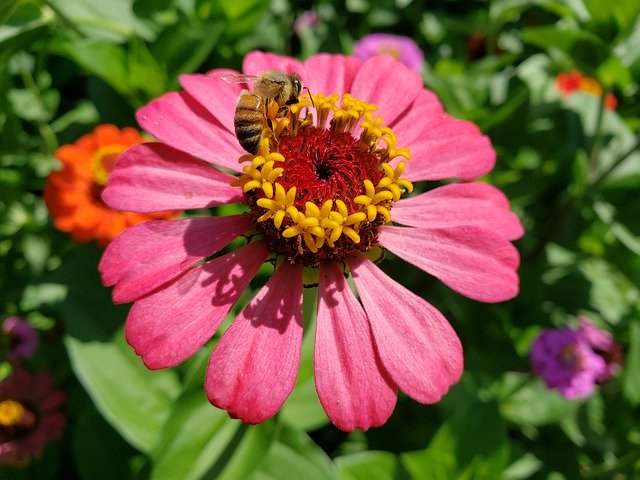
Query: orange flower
x=73, y=193
x=569, y=82
x=574, y=81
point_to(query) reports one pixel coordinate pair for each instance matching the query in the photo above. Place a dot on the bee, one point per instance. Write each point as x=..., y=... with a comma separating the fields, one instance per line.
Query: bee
x=253, y=114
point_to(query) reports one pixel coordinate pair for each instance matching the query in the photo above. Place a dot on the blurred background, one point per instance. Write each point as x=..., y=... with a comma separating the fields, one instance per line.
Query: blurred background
x=554, y=83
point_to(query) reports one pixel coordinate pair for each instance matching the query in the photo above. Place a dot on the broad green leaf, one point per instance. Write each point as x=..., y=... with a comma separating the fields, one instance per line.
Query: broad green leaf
x=113, y=21
x=199, y=439
x=249, y=445
x=368, y=465
x=533, y=404
x=562, y=37
x=295, y=455
x=303, y=409
x=234, y=10
x=631, y=379
x=98, y=451
x=471, y=444
x=26, y=23
x=611, y=293
x=135, y=400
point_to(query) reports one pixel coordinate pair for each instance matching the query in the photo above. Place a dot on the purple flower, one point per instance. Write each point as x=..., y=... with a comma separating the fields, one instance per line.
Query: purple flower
x=399, y=47
x=23, y=339
x=602, y=343
x=565, y=361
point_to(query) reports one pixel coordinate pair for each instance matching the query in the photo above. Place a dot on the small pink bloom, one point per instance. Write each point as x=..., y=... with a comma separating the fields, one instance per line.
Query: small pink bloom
x=321, y=192
x=603, y=344
x=565, y=361
x=307, y=19
x=29, y=416
x=23, y=339
x=399, y=47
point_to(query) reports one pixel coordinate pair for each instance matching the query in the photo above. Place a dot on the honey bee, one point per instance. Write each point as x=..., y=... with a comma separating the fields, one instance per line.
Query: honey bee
x=252, y=119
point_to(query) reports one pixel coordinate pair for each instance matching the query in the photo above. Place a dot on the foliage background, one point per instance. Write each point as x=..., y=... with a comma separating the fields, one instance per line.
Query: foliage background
x=570, y=168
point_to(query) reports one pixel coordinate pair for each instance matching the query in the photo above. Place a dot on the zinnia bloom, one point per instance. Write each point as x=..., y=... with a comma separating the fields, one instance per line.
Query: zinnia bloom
x=29, y=416
x=399, y=47
x=564, y=359
x=321, y=196
x=22, y=338
x=574, y=81
x=73, y=193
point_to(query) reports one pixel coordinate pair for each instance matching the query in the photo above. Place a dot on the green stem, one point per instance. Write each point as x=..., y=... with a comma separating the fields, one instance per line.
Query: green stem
x=606, y=471
x=600, y=178
x=63, y=18
x=45, y=130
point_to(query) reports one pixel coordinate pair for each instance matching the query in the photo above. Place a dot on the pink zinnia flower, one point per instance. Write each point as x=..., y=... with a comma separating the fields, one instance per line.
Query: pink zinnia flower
x=399, y=47
x=23, y=339
x=321, y=196
x=564, y=359
x=29, y=416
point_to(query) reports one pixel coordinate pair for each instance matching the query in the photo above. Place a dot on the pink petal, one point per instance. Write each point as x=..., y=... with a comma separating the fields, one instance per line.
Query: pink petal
x=417, y=346
x=353, y=387
x=459, y=204
x=150, y=254
x=474, y=262
x=416, y=122
x=170, y=325
x=331, y=73
x=387, y=83
x=253, y=368
x=256, y=62
x=181, y=122
x=215, y=94
x=452, y=149
x=153, y=177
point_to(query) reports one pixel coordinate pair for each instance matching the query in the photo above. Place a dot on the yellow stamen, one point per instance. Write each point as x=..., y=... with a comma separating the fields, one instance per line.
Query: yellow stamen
x=333, y=219
x=14, y=414
x=102, y=162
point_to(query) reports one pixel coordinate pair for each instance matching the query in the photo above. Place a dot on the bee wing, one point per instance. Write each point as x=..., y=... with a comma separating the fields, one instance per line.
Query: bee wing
x=234, y=78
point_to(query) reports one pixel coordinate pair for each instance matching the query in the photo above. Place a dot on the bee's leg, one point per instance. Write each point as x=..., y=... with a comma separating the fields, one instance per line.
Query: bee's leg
x=272, y=109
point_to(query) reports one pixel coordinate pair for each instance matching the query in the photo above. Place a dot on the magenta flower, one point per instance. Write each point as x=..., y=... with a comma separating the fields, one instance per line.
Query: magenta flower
x=323, y=197
x=23, y=339
x=603, y=344
x=399, y=47
x=565, y=361
x=29, y=416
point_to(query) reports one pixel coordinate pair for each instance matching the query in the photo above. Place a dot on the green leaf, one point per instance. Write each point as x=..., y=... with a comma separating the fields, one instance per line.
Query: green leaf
x=249, y=446
x=198, y=438
x=368, y=465
x=562, y=37
x=533, y=404
x=303, y=409
x=105, y=60
x=631, y=378
x=471, y=444
x=236, y=9
x=26, y=24
x=295, y=455
x=112, y=21
x=136, y=401
x=99, y=452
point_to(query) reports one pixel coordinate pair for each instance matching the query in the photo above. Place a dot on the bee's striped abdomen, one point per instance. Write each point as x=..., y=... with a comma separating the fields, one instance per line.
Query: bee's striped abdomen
x=250, y=121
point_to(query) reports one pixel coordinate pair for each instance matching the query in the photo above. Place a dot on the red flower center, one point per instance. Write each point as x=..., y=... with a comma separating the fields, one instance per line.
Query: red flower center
x=320, y=194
